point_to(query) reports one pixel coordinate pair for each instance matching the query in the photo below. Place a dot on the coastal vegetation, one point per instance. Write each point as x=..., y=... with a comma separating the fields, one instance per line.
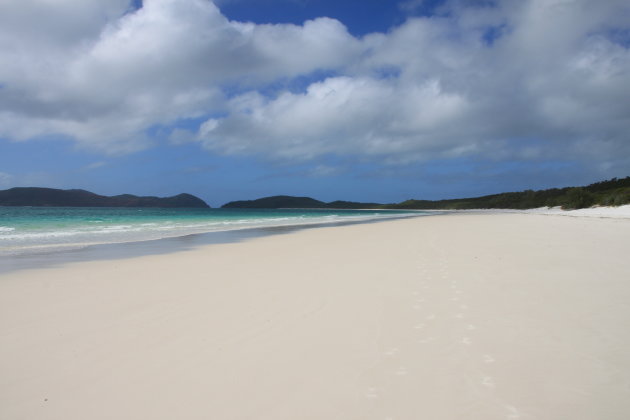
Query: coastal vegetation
x=613, y=192
x=290, y=202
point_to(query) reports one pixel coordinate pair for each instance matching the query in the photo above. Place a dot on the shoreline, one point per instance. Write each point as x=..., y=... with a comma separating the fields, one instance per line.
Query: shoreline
x=162, y=246
x=475, y=316
x=42, y=258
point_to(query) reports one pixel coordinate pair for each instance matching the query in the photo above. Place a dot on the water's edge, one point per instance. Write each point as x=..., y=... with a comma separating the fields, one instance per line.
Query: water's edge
x=125, y=250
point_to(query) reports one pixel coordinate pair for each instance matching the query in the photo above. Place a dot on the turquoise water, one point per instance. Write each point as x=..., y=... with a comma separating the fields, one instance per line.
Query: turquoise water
x=46, y=229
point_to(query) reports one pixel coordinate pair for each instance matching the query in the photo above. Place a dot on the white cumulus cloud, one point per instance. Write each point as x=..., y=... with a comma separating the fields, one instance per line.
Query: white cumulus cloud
x=341, y=115
x=519, y=80
x=104, y=83
x=511, y=79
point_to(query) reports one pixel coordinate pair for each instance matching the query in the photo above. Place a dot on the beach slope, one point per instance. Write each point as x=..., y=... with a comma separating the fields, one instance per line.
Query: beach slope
x=465, y=316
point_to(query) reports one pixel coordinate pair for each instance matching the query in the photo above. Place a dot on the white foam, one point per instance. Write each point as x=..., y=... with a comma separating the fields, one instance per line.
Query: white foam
x=12, y=240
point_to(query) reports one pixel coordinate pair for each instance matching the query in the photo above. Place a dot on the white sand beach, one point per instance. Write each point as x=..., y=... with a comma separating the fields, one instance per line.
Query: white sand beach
x=464, y=316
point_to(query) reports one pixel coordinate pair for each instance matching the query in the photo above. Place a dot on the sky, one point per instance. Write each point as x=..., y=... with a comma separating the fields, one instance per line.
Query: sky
x=362, y=100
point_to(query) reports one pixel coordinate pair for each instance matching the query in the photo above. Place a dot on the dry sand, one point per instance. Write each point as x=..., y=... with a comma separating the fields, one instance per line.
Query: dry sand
x=507, y=316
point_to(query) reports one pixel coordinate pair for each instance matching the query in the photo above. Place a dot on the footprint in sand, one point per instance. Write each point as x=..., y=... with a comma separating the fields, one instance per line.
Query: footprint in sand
x=487, y=381
x=401, y=371
x=391, y=352
x=371, y=393
x=513, y=413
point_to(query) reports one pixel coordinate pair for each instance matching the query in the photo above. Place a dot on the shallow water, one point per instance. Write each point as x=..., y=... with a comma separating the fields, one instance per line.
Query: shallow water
x=28, y=230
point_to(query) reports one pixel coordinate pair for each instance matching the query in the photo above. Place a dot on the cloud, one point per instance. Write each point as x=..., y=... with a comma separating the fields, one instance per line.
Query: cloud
x=410, y=5
x=550, y=82
x=167, y=61
x=341, y=115
x=324, y=171
x=94, y=165
x=181, y=136
x=498, y=80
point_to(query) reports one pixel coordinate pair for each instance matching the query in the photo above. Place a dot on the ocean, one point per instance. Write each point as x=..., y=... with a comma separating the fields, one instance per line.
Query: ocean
x=28, y=230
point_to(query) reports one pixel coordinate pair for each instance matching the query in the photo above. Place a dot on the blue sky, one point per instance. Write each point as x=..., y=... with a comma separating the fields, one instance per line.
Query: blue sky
x=372, y=100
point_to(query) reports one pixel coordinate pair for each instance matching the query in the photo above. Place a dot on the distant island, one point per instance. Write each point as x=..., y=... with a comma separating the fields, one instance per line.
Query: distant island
x=50, y=197
x=613, y=192
x=289, y=202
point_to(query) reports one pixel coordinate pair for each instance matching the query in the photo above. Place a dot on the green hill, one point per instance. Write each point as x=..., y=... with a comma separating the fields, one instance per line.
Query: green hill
x=289, y=202
x=614, y=192
x=50, y=197
x=276, y=202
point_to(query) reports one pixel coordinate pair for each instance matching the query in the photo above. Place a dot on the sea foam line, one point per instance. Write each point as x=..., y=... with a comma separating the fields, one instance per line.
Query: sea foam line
x=18, y=242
